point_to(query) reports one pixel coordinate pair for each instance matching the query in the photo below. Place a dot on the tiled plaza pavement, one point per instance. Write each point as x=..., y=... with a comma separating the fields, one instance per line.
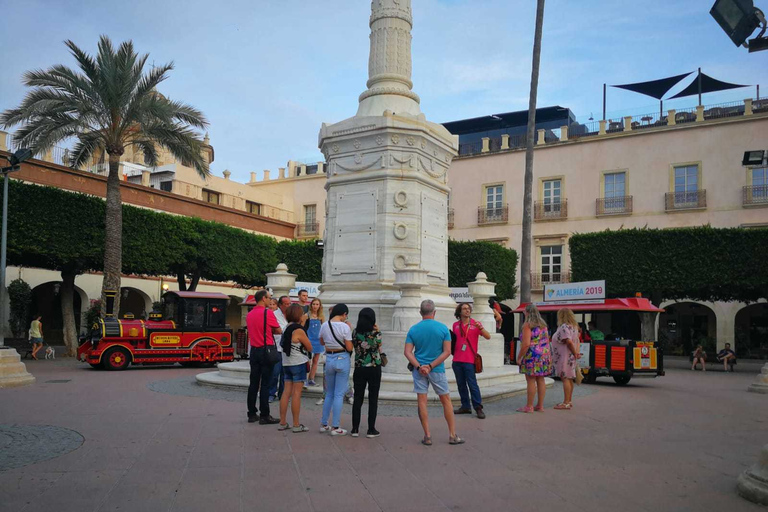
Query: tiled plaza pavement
x=669, y=444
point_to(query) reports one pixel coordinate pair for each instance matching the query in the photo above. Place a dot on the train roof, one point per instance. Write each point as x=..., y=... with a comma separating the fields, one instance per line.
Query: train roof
x=199, y=295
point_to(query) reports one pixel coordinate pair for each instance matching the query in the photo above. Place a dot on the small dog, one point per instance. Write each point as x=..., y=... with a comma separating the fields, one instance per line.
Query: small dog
x=50, y=353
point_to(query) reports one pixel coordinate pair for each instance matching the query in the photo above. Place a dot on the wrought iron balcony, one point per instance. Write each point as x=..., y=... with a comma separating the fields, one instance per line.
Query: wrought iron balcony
x=686, y=200
x=756, y=195
x=543, y=210
x=539, y=279
x=308, y=229
x=498, y=215
x=450, y=218
x=613, y=205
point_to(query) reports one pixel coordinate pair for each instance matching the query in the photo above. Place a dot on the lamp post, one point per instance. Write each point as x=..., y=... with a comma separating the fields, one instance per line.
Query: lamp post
x=14, y=160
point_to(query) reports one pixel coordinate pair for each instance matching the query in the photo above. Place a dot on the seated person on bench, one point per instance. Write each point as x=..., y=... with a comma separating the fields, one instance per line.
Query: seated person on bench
x=726, y=356
x=699, y=356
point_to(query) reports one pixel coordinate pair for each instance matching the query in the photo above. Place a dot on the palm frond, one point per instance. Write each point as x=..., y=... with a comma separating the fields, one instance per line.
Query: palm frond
x=181, y=141
x=83, y=151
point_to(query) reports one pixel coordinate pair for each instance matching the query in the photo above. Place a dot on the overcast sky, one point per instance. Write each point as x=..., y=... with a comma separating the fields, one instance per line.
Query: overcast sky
x=268, y=73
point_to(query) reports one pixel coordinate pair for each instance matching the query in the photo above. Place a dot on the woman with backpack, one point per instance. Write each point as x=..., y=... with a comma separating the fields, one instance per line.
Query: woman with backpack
x=296, y=349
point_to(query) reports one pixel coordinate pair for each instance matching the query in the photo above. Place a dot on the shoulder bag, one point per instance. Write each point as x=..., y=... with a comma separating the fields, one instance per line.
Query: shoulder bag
x=478, y=357
x=273, y=356
x=341, y=343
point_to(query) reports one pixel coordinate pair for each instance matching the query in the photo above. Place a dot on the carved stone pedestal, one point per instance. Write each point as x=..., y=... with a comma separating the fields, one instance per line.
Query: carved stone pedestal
x=761, y=381
x=753, y=483
x=13, y=372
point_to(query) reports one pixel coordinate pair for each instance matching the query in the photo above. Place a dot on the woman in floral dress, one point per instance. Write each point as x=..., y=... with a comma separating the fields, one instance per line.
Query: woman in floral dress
x=565, y=350
x=366, y=339
x=534, y=358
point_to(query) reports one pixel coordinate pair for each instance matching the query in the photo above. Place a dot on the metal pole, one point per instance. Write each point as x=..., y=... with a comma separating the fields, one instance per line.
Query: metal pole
x=699, y=79
x=603, y=102
x=661, y=110
x=758, y=91
x=3, y=244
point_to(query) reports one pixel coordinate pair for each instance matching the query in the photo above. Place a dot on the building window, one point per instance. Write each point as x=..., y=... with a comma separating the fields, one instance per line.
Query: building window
x=254, y=208
x=310, y=214
x=615, y=185
x=210, y=196
x=686, y=179
x=615, y=199
x=551, y=263
x=494, y=197
x=552, y=195
x=757, y=192
x=166, y=186
x=494, y=210
x=686, y=192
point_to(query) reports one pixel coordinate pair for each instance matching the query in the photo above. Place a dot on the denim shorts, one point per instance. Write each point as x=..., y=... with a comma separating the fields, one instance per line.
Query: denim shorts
x=295, y=373
x=421, y=383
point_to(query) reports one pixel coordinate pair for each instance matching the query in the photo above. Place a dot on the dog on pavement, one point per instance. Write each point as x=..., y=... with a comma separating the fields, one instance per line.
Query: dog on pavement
x=50, y=353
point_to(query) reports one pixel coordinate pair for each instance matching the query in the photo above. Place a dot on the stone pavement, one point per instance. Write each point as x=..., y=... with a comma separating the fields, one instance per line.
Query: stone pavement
x=673, y=443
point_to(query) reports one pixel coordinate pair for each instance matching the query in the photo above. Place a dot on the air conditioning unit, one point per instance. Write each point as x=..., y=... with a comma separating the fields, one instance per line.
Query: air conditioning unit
x=754, y=158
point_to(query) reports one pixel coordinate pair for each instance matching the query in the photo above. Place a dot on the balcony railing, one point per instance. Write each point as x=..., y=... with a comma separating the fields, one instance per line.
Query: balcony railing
x=308, y=229
x=756, y=195
x=686, y=200
x=539, y=279
x=471, y=148
x=498, y=215
x=543, y=210
x=614, y=205
x=450, y=218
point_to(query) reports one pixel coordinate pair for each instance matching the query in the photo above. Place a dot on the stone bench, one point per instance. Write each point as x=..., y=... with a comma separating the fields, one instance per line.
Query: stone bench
x=713, y=361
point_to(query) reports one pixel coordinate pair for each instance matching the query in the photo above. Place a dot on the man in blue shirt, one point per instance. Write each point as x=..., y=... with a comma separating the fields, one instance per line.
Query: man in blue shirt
x=427, y=346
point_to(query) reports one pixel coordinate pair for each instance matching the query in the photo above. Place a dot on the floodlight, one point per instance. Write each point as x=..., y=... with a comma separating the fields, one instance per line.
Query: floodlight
x=20, y=156
x=738, y=19
x=753, y=157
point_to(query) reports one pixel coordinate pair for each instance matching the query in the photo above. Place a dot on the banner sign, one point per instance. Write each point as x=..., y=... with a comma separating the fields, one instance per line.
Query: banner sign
x=312, y=289
x=568, y=292
x=461, y=295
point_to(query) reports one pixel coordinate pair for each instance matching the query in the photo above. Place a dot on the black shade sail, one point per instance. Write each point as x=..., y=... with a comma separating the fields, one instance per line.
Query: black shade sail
x=656, y=88
x=708, y=84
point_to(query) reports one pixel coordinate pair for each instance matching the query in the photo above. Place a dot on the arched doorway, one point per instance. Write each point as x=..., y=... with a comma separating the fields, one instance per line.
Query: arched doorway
x=234, y=313
x=46, y=300
x=135, y=302
x=685, y=325
x=751, y=332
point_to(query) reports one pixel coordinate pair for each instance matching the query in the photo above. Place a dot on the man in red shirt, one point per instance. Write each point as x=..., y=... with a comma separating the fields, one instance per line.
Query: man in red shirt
x=261, y=369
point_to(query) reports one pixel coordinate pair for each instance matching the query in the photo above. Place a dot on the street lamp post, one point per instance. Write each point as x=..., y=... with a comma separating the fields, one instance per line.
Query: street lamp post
x=15, y=159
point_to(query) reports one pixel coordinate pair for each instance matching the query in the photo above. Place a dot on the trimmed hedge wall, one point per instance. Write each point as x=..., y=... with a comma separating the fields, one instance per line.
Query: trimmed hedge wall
x=466, y=259
x=700, y=263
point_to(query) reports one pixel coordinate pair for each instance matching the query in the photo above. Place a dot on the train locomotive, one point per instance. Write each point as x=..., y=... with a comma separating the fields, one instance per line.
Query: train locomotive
x=191, y=330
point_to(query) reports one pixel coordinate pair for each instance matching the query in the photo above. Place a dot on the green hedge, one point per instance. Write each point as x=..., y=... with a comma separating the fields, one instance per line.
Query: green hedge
x=466, y=259
x=303, y=258
x=701, y=263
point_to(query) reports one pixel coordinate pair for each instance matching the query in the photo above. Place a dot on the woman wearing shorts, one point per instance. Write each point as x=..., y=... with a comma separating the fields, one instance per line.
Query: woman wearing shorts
x=296, y=346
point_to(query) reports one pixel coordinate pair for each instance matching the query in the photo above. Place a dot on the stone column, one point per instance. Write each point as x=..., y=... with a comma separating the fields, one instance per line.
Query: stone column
x=281, y=282
x=628, y=123
x=389, y=63
x=753, y=483
x=320, y=167
x=761, y=381
x=563, y=134
x=540, y=140
x=748, y=107
x=13, y=373
x=492, y=350
x=145, y=178
x=3, y=141
x=253, y=177
x=409, y=280
x=671, y=117
x=602, y=127
x=504, y=141
x=699, y=113
x=486, y=145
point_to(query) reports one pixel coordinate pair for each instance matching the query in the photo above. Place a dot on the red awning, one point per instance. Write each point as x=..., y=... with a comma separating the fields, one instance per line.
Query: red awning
x=639, y=304
x=250, y=300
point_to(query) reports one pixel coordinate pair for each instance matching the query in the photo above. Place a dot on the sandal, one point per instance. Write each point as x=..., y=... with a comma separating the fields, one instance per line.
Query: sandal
x=564, y=406
x=282, y=427
x=455, y=440
x=538, y=408
x=300, y=428
x=525, y=409
x=427, y=441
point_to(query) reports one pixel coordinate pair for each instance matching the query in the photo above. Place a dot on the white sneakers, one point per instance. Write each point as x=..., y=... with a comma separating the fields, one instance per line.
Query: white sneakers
x=325, y=429
x=320, y=402
x=338, y=431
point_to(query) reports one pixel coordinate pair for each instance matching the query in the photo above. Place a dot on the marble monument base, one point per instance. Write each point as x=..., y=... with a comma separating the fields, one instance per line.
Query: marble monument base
x=753, y=483
x=13, y=373
x=761, y=382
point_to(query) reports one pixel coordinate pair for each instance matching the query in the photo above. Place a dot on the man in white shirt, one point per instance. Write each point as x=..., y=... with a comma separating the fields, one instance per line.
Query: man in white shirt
x=277, y=383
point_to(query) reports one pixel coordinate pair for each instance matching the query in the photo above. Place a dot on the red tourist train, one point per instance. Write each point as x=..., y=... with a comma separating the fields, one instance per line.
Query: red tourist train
x=191, y=330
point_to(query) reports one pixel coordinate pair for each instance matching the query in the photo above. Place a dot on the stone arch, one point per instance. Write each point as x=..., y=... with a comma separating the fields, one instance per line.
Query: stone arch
x=134, y=301
x=751, y=331
x=686, y=324
x=46, y=300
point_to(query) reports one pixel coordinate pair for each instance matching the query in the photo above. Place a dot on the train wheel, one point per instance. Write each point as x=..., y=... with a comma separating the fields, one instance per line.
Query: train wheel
x=622, y=380
x=116, y=359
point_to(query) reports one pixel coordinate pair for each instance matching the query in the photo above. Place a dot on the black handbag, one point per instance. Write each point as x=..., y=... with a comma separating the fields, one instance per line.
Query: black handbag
x=273, y=356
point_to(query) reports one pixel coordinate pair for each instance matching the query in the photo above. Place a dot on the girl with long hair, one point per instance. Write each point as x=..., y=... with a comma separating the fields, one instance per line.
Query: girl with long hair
x=296, y=347
x=314, y=322
x=565, y=350
x=336, y=337
x=534, y=358
x=366, y=339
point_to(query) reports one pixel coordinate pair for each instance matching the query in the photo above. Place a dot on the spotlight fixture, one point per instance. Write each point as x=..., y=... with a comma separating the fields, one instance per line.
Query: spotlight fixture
x=738, y=19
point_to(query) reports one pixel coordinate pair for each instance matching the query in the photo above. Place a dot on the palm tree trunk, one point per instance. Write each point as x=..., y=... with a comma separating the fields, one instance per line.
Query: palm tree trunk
x=68, y=311
x=527, y=241
x=113, y=246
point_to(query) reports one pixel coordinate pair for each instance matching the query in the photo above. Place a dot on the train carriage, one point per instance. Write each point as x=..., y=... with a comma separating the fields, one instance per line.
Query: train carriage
x=191, y=330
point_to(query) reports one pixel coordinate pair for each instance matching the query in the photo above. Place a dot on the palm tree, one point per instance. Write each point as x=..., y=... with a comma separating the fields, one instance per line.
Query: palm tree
x=525, y=257
x=106, y=106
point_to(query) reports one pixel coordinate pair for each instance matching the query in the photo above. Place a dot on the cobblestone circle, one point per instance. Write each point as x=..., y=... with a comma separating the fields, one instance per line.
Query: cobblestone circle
x=22, y=445
x=188, y=386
